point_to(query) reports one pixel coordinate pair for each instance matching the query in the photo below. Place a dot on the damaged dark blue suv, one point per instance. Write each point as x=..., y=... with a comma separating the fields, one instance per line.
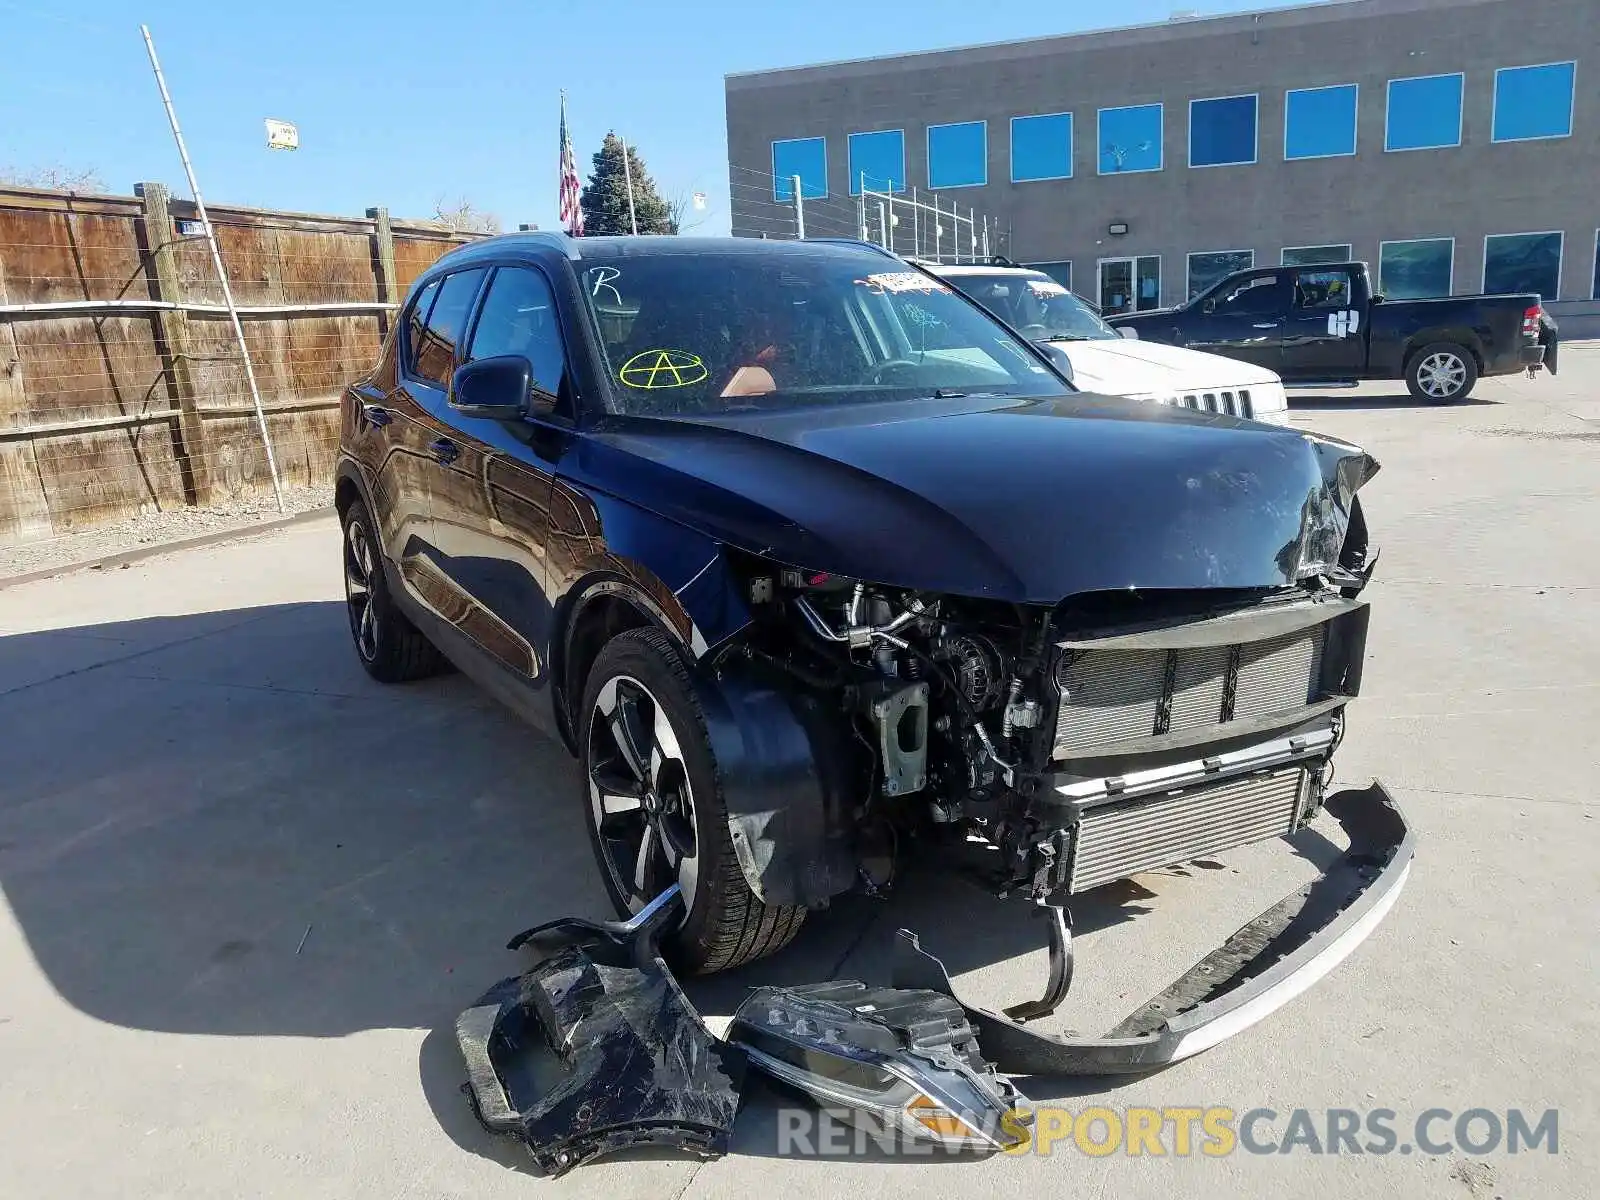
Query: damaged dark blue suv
x=811, y=562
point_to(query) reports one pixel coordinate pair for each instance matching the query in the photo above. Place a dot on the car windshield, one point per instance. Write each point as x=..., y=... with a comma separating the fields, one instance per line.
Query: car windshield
x=1036, y=306
x=736, y=331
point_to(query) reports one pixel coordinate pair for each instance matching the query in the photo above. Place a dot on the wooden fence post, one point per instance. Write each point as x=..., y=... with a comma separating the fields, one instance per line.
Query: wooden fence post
x=388, y=277
x=199, y=479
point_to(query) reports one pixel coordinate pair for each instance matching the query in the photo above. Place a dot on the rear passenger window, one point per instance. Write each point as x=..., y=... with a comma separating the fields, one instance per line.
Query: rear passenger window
x=1323, y=289
x=435, y=350
x=519, y=317
x=417, y=324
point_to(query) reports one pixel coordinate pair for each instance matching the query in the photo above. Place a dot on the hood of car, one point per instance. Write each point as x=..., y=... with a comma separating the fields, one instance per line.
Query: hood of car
x=1024, y=500
x=1124, y=367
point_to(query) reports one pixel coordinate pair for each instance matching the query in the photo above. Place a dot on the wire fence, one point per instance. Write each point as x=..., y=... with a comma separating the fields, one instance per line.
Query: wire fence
x=905, y=221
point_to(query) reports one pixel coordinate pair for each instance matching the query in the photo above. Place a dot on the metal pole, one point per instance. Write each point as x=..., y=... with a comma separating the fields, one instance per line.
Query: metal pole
x=627, y=174
x=972, y=234
x=938, y=233
x=799, y=208
x=216, y=260
x=986, y=254
x=883, y=225
x=861, y=207
x=916, y=229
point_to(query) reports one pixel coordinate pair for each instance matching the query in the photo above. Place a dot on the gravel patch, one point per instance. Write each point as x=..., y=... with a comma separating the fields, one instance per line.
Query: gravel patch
x=155, y=529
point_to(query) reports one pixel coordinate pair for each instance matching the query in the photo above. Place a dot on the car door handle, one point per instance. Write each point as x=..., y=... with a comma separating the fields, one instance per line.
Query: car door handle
x=376, y=415
x=444, y=450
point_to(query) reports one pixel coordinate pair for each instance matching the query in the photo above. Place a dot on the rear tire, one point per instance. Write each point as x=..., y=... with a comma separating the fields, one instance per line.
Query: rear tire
x=1443, y=373
x=652, y=796
x=390, y=647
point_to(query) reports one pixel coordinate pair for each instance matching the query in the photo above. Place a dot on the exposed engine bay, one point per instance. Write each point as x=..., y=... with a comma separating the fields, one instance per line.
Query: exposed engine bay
x=1113, y=734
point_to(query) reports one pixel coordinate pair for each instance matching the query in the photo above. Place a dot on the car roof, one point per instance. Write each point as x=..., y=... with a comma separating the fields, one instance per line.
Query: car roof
x=539, y=243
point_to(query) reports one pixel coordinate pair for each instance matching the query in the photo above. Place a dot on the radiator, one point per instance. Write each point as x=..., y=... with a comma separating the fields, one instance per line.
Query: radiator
x=1110, y=697
x=1117, y=840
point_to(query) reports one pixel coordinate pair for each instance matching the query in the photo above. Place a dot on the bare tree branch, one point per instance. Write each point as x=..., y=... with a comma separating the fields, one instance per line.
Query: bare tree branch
x=65, y=179
x=463, y=216
x=683, y=214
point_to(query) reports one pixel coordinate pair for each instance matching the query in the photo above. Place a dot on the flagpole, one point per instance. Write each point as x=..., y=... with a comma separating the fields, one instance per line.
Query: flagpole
x=627, y=173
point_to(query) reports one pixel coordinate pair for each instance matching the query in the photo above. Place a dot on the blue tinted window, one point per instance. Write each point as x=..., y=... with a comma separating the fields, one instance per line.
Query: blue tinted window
x=1523, y=262
x=958, y=155
x=1041, y=147
x=881, y=157
x=1416, y=270
x=1320, y=122
x=1424, y=114
x=1209, y=269
x=1533, y=102
x=805, y=157
x=1311, y=256
x=1222, y=132
x=1130, y=139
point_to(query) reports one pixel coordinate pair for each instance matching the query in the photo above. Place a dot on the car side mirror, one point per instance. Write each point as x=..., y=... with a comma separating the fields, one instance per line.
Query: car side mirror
x=1129, y=332
x=495, y=389
x=1210, y=306
x=1378, y=297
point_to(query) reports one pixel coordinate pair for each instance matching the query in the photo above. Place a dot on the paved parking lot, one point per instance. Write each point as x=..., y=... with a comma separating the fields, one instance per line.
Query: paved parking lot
x=246, y=891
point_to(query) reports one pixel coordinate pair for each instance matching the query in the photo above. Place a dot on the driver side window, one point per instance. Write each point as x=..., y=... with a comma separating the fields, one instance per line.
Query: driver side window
x=519, y=317
x=1251, y=297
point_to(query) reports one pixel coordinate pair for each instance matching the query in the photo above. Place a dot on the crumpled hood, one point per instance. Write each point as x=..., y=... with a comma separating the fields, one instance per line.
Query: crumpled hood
x=1021, y=500
x=1122, y=367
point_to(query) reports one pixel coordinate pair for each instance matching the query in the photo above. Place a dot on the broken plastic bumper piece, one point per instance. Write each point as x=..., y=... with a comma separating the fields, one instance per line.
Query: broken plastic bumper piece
x=899, y=1063
x=596, y=1049
x=1263, y=966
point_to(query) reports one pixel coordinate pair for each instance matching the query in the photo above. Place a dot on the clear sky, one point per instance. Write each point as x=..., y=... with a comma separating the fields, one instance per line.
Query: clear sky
x=402, y=103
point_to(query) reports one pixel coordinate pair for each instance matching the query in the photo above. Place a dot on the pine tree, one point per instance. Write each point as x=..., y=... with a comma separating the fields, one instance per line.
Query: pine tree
x=605, y=196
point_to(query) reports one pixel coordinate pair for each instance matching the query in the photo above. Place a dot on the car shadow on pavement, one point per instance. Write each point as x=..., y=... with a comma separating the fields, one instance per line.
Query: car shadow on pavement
x=217, y=824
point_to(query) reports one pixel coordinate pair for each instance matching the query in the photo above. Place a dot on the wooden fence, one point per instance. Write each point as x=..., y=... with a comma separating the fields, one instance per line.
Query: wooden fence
x=122, y=390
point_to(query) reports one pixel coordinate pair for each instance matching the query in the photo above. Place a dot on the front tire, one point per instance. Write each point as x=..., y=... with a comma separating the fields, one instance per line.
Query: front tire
x=389, y=646
x=653, y=800
x=1442, y=373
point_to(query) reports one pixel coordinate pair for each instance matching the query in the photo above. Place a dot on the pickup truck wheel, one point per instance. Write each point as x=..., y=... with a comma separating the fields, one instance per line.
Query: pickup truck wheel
x=391, y=648
x=655, y=810
x=1442, y=373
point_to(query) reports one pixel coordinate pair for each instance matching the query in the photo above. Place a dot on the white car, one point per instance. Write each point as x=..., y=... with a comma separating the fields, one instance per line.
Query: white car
x=1102, y=361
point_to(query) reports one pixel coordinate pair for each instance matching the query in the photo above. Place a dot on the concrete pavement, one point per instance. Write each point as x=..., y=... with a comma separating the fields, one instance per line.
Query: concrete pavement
x=194, y=772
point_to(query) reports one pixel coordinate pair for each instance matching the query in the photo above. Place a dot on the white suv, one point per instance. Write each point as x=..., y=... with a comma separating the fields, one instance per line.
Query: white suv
x=1101, y=361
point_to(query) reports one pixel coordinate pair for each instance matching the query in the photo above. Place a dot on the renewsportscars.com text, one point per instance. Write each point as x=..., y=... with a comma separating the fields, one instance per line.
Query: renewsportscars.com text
x=1214, y=1132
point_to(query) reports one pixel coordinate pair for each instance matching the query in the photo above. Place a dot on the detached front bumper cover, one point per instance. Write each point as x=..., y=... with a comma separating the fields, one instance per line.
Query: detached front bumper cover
x=596, y=1049
x=1258, y=970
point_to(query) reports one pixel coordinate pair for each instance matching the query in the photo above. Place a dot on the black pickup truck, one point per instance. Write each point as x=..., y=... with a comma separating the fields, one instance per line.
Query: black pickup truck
x=1323, y=326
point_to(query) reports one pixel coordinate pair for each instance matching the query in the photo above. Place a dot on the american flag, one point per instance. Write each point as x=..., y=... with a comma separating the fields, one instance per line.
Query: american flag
x=571, y=211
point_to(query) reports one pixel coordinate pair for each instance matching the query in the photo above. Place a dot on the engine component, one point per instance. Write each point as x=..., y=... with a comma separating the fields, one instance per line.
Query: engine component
x=596, y=1049
x=901, y=1062
x=901, y=718
x=975, y=665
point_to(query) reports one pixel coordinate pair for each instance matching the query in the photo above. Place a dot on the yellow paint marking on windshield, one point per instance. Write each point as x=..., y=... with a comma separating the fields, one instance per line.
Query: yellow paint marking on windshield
x=652, y=369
